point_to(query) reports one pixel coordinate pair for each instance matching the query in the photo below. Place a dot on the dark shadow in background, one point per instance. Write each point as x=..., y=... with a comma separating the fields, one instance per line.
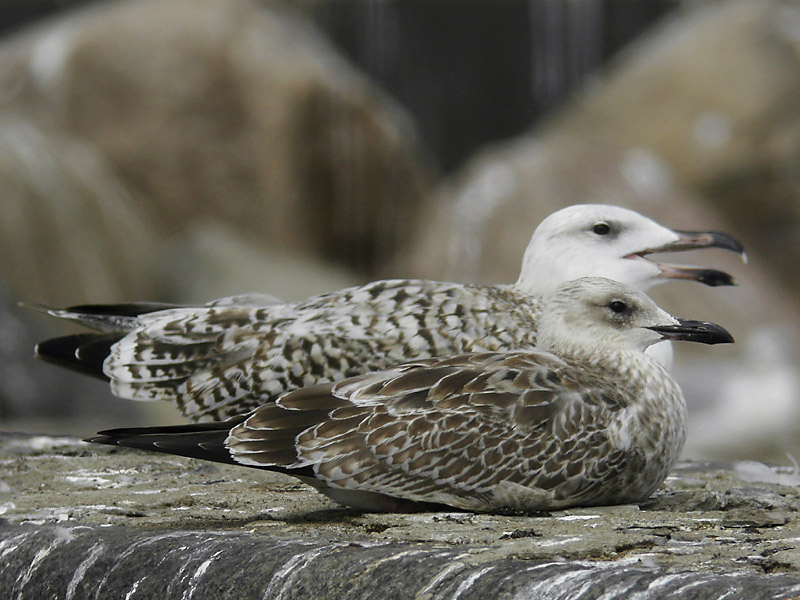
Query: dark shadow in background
x=469, y=71
x=476, y=71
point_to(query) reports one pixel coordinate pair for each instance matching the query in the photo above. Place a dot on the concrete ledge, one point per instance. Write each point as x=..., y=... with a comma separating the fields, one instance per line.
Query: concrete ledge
x=117, y=562
x=85, y=521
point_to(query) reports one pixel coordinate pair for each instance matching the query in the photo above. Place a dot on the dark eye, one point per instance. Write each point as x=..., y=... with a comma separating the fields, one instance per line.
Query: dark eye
x=601, y=228
x=618, y=306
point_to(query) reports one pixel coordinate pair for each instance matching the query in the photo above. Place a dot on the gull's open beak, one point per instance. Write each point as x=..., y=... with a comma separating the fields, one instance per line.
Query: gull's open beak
x=694, y=331
x=710, y=277
x=694, y=240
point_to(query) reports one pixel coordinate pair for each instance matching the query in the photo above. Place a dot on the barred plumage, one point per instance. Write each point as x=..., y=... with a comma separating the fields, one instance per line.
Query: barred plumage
x=222, y=361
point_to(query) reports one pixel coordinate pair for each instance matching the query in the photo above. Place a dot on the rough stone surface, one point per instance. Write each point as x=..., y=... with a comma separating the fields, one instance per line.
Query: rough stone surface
x=82, y=520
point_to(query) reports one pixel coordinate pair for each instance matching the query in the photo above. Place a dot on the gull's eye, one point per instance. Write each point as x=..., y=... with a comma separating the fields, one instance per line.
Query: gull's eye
x=601, y=228
x=618, y=306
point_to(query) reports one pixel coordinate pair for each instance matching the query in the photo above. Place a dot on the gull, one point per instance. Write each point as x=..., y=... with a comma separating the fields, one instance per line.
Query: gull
x=586, y=418
x=232, y=355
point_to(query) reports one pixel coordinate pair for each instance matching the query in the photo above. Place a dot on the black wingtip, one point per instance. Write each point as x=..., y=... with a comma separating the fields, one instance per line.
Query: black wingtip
x=80, y=352
x=117, y=437
x=205, y=441
x=100, y=439
x=126, y=309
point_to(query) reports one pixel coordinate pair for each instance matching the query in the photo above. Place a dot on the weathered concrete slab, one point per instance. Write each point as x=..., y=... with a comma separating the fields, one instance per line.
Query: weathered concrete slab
x=89, y=521
x=54, y=561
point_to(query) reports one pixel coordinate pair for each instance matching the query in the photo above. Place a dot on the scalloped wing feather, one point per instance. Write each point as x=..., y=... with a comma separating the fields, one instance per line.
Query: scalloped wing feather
x=453, y=446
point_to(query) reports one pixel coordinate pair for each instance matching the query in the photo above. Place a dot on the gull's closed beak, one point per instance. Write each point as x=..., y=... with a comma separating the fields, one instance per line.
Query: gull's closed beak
x=694, y=331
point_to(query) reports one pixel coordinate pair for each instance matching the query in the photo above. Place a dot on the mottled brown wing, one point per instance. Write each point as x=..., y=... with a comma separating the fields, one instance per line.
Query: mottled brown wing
x=214, y=363
x=227, y=358
x=474, y=431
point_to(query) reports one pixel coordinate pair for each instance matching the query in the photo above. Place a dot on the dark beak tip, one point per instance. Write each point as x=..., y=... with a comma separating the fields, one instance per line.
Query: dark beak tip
x=714, y=278
x=709, y=277
x=711, y=239
x=703, y=332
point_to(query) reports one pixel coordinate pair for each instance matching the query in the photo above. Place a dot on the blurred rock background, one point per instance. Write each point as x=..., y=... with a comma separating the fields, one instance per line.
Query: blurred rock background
x=182, y=150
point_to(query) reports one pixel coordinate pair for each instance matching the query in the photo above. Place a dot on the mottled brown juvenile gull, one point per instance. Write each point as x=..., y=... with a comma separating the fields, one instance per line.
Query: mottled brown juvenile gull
x=235, y=354
x=586, y=419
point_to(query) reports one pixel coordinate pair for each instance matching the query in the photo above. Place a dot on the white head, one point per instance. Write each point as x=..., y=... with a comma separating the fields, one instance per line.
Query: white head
x=593, y=313
x=608, y=241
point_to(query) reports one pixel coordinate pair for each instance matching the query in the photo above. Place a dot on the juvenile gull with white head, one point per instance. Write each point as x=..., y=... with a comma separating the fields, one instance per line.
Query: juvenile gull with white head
x=232, y=355
x=587, y=418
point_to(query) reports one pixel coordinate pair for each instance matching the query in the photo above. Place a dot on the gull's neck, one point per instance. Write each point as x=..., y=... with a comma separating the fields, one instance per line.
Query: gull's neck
x=599, y=366
x=651, y=414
